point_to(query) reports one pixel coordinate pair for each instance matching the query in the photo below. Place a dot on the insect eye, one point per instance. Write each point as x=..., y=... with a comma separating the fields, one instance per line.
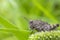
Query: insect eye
x=31, y=21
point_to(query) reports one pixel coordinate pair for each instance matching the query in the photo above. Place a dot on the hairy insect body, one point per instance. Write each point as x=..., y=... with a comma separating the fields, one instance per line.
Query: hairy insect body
x=42, y=26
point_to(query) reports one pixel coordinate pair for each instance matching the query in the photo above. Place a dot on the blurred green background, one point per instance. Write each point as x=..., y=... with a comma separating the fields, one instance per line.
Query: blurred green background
x=13, y=25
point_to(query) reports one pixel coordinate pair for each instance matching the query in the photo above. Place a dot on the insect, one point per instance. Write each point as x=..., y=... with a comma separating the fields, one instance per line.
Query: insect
x=42, y=26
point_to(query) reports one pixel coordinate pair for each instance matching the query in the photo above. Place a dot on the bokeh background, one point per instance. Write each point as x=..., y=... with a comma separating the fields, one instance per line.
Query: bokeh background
x=14, y=16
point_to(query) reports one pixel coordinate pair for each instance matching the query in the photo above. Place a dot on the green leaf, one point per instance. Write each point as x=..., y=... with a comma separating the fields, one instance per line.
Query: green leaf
x=20, y=34
x=6, y=23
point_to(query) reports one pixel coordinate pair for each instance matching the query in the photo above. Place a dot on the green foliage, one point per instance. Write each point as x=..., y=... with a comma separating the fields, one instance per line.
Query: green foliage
x=13, y=26
x=53, y=35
